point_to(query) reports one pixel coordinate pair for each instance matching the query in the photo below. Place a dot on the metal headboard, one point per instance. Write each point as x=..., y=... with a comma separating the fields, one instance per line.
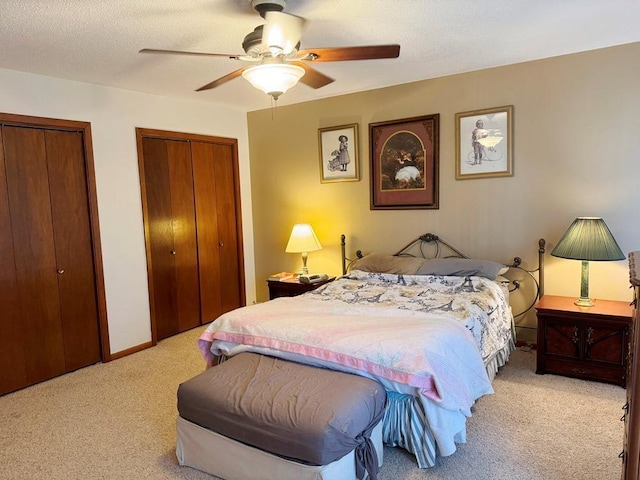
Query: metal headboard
x=442, y=249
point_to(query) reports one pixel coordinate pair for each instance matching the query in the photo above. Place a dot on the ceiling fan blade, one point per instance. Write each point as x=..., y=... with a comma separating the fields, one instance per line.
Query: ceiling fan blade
x=282, y=32
x=178, y=52
x=340, y=54
x=221, y=80
x=312, y=77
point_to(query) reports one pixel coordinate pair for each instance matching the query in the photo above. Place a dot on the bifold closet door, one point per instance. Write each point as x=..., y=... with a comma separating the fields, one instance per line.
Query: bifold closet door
x=218, y=243
x=48, y=294
x=172, y=235
x=73, y=250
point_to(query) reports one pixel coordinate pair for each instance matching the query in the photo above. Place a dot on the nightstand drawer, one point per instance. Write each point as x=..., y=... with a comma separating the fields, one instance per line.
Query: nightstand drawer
x=292, y=289
x=584, y=370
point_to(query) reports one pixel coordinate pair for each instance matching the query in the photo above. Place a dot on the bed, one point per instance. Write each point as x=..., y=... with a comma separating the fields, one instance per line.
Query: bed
x=433, y=331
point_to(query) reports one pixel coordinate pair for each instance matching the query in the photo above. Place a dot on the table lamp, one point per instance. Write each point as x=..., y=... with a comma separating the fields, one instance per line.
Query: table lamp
x=303, y=240
x=587, y=239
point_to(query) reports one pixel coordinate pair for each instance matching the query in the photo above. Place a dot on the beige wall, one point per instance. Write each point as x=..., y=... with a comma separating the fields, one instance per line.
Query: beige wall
x=575, y=153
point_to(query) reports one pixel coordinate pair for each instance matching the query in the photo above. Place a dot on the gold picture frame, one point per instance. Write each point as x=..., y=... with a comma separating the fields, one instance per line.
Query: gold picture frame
x=339, y=158
x=484, y=143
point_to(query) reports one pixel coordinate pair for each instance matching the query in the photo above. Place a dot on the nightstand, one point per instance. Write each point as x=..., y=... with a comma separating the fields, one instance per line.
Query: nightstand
x=292, y=289
x=589, y=343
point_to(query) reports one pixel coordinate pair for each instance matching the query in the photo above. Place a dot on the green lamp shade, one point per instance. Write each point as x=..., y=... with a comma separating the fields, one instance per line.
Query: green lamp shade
x=588, y=238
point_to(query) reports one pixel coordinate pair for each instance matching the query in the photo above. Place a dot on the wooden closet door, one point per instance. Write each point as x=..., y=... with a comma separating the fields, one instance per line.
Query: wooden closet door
x=35, y=263
x=184, y=235
x=73, y=249
x=52, y=307
x=209, y=245
x=12, y=355
x=171, y=225
x=218, y=243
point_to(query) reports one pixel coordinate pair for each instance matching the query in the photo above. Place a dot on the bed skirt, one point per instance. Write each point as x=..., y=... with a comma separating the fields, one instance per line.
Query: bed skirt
x=405, y=422
x=210, y=452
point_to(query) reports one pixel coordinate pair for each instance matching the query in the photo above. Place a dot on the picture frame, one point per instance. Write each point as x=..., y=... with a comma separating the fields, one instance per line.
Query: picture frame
x=405, y=163
x=339, y=159
x=484, y=143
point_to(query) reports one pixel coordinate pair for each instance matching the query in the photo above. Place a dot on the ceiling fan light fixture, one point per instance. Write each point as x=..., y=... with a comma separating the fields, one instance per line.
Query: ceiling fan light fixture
x=273, y=78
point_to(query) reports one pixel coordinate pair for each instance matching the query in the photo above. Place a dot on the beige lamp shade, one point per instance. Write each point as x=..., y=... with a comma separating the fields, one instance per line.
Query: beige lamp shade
x=303, y=240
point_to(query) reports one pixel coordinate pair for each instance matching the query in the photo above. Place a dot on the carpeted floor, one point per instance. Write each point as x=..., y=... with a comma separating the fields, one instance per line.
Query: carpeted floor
x=117, y=421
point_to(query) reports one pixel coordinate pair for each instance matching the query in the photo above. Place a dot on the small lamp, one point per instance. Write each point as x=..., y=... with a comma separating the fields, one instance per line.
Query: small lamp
x=303, y=240
x=587, y=239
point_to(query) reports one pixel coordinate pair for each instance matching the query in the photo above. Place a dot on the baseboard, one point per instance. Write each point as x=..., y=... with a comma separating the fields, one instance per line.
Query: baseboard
x=129, y=351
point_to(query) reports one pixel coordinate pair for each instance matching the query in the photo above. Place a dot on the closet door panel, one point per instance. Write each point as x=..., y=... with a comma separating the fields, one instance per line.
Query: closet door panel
x=29, y=203
x=74, y=257
x=184, y=234
x=13, y=372
x=162, y=286
x=205, y=186
x=227, y=227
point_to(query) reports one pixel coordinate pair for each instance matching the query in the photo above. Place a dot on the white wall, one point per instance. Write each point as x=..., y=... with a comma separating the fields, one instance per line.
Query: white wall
x=114, y=114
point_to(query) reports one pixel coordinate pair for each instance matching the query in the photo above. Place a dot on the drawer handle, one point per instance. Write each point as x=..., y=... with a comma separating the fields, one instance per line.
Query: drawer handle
x=580, y=371
x=626, y=410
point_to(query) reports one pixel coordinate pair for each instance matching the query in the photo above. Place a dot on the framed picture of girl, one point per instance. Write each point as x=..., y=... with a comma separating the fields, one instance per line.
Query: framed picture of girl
x=339, y=154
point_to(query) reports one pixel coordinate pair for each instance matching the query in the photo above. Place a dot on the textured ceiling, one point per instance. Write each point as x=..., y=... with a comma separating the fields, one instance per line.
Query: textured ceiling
x=97, y=41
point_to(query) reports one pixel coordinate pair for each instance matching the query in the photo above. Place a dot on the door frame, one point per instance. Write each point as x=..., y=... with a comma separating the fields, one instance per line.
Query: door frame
x=142, y=133
x=84, y=128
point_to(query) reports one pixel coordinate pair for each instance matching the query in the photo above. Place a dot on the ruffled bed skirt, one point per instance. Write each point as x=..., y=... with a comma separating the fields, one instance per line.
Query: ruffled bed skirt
x=405, y=422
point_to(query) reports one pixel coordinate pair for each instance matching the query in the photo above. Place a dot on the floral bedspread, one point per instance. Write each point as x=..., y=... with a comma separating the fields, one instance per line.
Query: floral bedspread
x=477, y=302
x=425, y=332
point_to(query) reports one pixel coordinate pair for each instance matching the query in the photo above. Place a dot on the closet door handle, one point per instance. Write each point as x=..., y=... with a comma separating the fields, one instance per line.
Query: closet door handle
x=220, y=244
x=172, y=252
x=60, y=271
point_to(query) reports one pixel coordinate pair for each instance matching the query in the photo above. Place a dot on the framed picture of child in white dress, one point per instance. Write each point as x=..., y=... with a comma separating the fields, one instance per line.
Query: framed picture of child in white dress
x=484, y=143
x=339, y=154
x=405, y=163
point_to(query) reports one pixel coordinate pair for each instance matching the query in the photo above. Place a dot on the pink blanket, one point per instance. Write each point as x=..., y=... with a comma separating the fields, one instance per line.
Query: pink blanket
x=430, y=352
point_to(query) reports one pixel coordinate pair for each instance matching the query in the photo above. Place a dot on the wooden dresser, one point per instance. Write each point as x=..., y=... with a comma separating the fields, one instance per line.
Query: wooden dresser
x=631, y=444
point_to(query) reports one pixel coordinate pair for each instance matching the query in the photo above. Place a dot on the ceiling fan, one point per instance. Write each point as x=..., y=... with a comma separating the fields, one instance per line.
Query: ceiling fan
x=278, y=63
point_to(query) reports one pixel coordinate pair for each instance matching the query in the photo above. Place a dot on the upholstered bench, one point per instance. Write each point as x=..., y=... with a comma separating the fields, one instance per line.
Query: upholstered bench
x=259, y=417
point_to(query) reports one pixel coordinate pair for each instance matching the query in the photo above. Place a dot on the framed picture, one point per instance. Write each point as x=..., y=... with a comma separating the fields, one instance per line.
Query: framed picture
x=484, y=143
x=339, y=154
x=404, y=163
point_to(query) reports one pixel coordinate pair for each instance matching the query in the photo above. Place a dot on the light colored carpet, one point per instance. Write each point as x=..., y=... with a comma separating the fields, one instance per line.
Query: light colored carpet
x=117, y=421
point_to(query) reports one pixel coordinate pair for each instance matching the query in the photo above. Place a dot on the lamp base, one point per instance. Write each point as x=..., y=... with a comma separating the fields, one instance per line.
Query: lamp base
x=305, y=270
x=584, y=302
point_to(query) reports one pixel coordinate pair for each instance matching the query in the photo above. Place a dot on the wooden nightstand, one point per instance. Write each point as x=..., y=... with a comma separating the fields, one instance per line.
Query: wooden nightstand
x=588, y=343
x=292, y=289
